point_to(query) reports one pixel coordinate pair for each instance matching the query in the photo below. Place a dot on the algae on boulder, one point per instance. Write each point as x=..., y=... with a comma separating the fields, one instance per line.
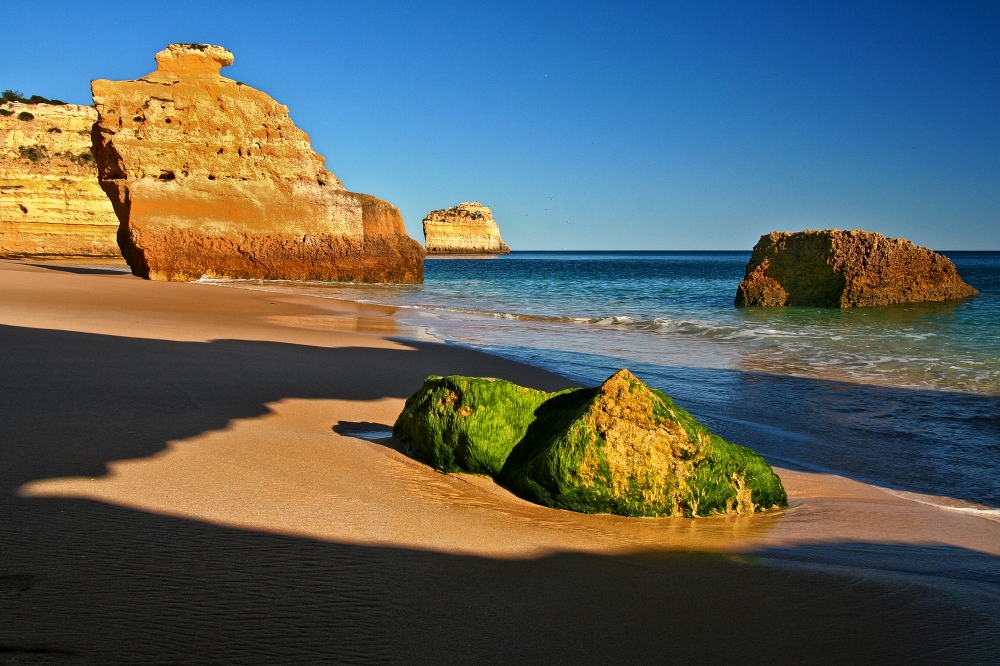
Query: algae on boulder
x=620, y=448
x=466, y=424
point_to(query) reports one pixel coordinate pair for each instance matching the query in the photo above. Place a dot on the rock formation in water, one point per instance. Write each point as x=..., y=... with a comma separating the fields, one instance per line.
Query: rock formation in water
x=50, y=201
x=620, y=448
x=467, y=228
x=845, y=269
x=210, y=177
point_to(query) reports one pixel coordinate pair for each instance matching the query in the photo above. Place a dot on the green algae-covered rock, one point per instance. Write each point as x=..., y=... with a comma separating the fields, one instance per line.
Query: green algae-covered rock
x=626, y=449
x=466, y=424
x=620, y=448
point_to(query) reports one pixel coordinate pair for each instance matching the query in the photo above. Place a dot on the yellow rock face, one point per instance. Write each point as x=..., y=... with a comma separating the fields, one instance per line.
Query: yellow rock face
x=467, y=228
x=210, y=177
x=50, y=201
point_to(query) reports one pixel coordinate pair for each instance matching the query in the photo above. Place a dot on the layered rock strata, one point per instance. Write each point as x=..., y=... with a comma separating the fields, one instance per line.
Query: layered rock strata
x=50, y=201
x=846, y=269
x=620, y=448
x=467, y=228
x=210, y=178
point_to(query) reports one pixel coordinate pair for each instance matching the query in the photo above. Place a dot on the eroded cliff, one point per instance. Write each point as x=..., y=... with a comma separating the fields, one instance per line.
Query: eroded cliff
x=467, y=228
x=50, y=201
x=210, y=177
x=834, y=268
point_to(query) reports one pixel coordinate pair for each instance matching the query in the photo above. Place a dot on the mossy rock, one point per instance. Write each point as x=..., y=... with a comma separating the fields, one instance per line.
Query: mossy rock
x=627, y=449
x=620, y=448
x=466, y=424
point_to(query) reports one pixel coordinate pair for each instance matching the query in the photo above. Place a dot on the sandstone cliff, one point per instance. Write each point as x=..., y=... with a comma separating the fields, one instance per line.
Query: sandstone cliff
x=845, y=269
x=467, y=228
x=210, y=177
x=50, y=201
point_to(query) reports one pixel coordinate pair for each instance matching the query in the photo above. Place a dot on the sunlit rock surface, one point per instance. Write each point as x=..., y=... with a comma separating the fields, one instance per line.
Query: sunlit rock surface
x=620, y=448
x=210, y=178
x=846, y=269
x=467, y=228
x=50, y=201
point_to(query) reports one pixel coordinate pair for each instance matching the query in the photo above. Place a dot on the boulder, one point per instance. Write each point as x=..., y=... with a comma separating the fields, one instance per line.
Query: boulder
x=620, y=448
x=467, y=424
x=210, y=178
x=845, y=269
x=50, y=201
x=467, y=228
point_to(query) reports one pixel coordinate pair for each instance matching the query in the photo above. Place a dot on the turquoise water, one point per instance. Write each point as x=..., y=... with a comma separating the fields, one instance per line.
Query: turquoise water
x=905, y=396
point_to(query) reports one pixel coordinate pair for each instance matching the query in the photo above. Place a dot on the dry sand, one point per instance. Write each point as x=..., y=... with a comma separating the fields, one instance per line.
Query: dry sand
x=185, y=480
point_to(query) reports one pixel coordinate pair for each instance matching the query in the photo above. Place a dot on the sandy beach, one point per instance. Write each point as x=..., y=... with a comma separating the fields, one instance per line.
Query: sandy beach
x=202, y=474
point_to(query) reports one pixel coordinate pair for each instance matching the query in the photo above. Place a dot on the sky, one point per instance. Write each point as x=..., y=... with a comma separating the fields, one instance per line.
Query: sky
x=600, y=126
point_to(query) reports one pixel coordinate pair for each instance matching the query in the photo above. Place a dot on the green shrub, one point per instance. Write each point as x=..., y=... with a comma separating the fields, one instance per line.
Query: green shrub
x=17, y=96
x=6, y=112
x=24, y=115
x=33, y=153
x=55, y=130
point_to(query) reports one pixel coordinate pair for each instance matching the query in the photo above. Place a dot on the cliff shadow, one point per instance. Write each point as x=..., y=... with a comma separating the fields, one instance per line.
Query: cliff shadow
x=91, y=583
x=80, y=400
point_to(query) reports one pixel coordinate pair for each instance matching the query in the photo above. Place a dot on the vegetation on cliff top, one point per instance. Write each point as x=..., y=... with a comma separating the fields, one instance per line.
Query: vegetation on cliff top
x=620, y=448
x=17, y=96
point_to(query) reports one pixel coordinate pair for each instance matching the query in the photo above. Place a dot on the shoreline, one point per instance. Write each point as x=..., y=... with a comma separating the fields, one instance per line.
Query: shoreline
x=138, y=409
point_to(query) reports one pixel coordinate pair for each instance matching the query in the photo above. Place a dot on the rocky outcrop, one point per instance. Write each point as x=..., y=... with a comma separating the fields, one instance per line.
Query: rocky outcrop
x=50, y=201
x=210, y=177
x=620, y=448
x=467, y=228
x=845, y=269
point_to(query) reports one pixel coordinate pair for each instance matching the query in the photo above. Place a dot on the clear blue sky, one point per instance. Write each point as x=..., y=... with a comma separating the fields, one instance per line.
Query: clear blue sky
x=686, y=125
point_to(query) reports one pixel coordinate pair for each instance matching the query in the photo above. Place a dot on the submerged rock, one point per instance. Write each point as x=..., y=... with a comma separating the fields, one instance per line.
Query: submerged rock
x=845, y=269
x=50, y=201
x=620, y=448
x=210, y=177
x=467, y=228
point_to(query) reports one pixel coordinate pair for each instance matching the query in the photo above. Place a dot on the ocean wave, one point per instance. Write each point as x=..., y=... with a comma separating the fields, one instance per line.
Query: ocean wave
x=946, y=503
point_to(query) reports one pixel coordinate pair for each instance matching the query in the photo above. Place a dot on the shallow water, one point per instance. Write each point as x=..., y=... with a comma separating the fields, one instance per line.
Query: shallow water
x=905, y=396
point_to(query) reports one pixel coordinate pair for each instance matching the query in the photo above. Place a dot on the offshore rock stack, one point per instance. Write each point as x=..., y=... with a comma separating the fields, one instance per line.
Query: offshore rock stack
x=846, y=269
x=467, y=228
x=210, y=178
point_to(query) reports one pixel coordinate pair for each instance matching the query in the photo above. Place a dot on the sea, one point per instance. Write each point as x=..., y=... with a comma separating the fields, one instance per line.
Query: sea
x=906, y=397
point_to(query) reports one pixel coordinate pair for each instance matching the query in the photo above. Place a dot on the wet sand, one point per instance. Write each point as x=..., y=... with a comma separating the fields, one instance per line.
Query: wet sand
x=197, y=474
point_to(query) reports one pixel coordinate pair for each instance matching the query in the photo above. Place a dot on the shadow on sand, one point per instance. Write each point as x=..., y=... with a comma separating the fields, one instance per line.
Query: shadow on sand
x=86, y=582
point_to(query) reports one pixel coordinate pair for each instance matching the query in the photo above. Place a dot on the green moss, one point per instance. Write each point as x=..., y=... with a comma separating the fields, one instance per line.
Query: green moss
x=620, y=448
x=466, y=424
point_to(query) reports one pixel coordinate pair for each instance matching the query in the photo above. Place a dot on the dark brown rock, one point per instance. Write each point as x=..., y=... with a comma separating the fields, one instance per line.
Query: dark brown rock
x=846, y=269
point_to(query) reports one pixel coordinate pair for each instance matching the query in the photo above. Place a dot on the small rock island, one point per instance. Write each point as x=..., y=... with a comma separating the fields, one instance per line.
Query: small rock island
x=50, y=202
x=845, y=269
x=467, y=228
x=211, y=178
x=620, y=448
